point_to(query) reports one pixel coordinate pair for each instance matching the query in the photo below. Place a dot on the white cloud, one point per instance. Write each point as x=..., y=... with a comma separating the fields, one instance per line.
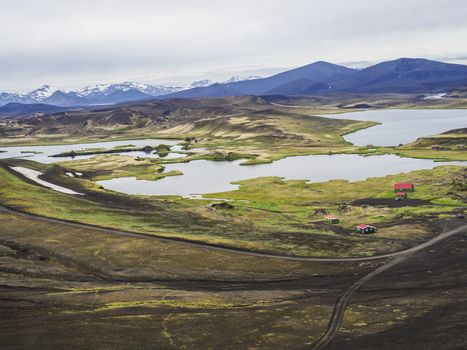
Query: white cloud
x=70, y=43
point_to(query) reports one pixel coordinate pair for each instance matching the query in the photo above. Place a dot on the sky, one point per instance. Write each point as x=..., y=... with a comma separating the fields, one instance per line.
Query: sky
x=71, y=44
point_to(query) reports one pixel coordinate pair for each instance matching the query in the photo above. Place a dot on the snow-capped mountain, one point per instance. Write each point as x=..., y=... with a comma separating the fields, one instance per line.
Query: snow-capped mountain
x=234, y=79
x=40, y=94
x=101, y=94
x=237, y=78
x=34, y=96
x=201, y=83
x=90, y=95
x=7, y=97
x=93, y=90
x=108, y=89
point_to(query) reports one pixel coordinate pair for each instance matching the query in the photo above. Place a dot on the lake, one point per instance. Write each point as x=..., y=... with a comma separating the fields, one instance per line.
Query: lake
x=398, y=126
x=402, y=125
x=47, y=151
x=202, y=176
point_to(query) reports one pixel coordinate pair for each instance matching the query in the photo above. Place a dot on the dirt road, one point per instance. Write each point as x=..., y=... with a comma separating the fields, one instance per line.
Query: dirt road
x=341, y=304
x=227, y=249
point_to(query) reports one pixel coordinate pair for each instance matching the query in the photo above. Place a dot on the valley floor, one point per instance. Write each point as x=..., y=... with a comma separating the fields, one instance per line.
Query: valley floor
x=107, y=270
x=105, y=291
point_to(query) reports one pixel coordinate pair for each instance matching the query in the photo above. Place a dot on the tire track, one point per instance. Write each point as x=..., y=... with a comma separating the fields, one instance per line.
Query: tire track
x=342, y=302
x=224, y=248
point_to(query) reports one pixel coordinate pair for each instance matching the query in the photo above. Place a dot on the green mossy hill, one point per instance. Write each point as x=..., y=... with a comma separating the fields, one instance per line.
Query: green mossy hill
x=94, y=151
x=448, y=146
x=451, y=140
x=268, y=214
x=162, y=150
x=109, y=166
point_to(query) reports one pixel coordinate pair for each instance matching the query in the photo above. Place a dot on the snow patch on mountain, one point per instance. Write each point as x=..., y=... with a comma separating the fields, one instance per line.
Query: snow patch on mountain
x=94, y=91
x=234, y=79
x=237, y=78
x=6, y=97
x=102, y=93
x=41, y=93
x=201, y=83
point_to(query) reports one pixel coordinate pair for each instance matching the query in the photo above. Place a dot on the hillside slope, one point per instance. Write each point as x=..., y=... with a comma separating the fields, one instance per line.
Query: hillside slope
x=17, y=109
x=315, y=73
x=404, y=75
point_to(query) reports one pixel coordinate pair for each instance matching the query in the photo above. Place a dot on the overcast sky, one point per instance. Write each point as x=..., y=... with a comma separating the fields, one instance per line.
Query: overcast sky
x=71, y=44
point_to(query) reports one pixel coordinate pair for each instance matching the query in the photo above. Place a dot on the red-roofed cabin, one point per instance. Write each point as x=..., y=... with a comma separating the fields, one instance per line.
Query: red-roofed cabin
x=365, y=229
x=401, y=194
x=404, y=187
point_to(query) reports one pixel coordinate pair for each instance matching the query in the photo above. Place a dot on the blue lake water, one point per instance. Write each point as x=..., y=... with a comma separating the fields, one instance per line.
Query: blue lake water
x=402, y=125
x=201, y=177
x=47, y=151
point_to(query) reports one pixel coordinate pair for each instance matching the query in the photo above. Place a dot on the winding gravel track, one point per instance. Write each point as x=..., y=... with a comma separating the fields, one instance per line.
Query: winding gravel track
x=223, y=248
x=341, y=304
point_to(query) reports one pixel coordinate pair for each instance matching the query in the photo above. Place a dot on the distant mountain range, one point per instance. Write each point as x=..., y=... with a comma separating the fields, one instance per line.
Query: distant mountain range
x=404, y=75
x=100, y=94
x=91, y=95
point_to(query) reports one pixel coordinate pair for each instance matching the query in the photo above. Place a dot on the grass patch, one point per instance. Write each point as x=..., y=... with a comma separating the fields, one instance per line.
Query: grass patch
x=269, y=214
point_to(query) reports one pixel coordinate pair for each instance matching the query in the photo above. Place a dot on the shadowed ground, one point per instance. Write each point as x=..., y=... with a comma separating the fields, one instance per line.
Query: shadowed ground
x=108, y=292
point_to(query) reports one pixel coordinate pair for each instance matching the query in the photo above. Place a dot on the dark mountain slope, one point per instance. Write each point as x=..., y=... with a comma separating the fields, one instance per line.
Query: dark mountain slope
x=300, y=87
x=315, y=73
x=404, y=75
x=66, y=99
x=145, y=113
x=19, y=109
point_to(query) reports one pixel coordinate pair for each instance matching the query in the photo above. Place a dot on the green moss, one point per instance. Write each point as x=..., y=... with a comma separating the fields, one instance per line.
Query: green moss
x=105, y=167
x=270, y=214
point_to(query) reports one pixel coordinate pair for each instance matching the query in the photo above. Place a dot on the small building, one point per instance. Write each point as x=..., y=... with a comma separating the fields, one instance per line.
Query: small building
x=401, y=194
x=331, y=219
x=436, y=147
x=404, y=187
x=365, y=229
x=461, y=147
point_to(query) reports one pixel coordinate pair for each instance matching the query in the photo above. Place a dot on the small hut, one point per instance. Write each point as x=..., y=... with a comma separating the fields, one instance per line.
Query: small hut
x=404, y=187
x=437, y=147
x=365, y=229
